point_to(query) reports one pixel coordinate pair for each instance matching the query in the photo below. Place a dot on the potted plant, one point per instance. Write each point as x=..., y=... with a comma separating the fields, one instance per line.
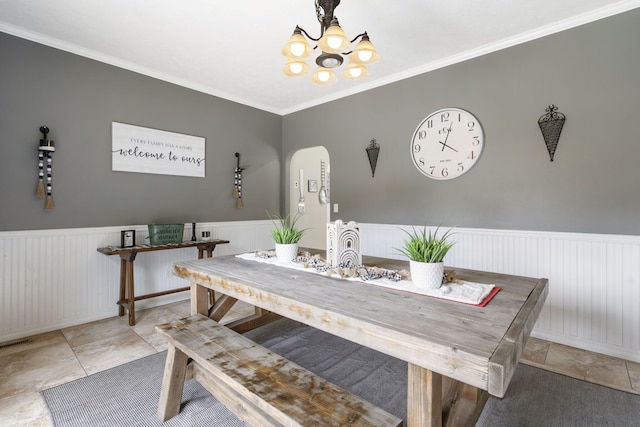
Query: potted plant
x=286, y=236
x=426, y=252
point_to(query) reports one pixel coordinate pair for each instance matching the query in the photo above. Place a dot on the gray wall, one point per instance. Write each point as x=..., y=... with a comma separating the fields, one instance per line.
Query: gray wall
x=78, y=98
x=591, y=73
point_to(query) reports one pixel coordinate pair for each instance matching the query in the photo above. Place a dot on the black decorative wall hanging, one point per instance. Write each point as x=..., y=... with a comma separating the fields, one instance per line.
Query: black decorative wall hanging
x=551, y=125
x=237, y=188
x=45, y=150
x=373, y=149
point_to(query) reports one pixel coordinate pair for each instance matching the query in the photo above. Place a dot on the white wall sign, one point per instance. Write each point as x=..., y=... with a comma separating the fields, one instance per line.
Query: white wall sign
x=144, y=150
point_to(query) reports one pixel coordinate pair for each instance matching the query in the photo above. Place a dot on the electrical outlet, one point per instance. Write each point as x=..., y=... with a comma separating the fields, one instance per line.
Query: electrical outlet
x=295, y=184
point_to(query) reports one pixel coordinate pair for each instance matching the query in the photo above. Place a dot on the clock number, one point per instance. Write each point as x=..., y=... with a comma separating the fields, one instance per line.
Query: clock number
x=421, y=161
x=416, y=148
x=444, y=117
x=460, y=167
x=422, y=134
x=432, y=169
x=471, y=125
x=471, y=155
x=429, y=123
x=476, y=141
x=445, y=172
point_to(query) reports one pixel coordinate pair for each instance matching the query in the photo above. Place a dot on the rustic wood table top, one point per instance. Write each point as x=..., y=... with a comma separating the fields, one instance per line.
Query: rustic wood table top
x=204, y=244
x=477, y=346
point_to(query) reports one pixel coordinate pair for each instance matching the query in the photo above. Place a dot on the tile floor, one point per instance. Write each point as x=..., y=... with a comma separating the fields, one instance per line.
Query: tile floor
x=61, y=356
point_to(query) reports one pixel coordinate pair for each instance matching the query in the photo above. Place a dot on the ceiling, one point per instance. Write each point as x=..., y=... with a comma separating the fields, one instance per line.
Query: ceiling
x=232, y=49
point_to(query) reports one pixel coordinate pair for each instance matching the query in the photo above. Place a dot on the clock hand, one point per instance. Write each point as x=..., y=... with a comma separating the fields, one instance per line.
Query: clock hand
x=444, y=144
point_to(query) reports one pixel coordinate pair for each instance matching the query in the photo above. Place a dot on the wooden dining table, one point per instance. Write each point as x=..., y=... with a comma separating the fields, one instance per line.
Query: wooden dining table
x=457, y=354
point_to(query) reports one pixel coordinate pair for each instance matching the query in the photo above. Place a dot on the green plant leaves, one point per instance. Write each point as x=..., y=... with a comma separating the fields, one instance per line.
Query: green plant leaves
x=426, y=247
x=285, y=230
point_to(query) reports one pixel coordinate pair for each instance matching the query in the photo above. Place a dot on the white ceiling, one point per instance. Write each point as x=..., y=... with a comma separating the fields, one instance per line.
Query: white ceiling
x=232, y=49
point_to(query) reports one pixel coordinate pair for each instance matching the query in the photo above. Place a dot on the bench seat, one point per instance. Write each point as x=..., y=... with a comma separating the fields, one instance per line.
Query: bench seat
x=258, y=386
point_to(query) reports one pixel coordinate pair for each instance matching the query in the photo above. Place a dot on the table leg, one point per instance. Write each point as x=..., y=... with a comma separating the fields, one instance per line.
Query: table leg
x=462, y=403
x=434, y=400
x=209, y=247
x=210, y=250
x=199, y=299
x=127, y=294
x=123, y=285
x=212, y=294
x=131, y=295
x=206, y=246
x=424, y=398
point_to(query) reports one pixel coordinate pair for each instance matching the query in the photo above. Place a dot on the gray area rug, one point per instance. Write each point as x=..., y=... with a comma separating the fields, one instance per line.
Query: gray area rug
x=128, y=395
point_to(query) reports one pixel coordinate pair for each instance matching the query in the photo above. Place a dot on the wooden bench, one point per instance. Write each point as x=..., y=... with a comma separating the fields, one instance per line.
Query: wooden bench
x=259, y=386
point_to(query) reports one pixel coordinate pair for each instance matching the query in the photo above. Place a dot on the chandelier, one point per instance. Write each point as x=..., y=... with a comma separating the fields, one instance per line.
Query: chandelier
x=333, y=45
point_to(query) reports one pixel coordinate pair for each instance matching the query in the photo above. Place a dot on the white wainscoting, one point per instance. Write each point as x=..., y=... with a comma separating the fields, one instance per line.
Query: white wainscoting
x=594, y=279
x=50, y=279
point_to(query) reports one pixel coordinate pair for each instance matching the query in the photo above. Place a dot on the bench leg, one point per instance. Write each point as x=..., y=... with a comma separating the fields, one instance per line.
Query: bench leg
x=172, y=383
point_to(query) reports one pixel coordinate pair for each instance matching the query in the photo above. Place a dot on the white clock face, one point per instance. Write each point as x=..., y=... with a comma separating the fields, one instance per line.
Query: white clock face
x=447, y=143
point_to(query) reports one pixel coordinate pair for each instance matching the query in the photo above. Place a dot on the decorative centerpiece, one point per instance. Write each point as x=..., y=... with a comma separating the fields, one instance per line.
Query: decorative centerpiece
x=343, y=243
x=426, y=252
x=286, y=236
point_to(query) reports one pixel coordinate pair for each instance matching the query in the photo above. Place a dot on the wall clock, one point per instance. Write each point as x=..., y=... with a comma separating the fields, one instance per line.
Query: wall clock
x=447, y=143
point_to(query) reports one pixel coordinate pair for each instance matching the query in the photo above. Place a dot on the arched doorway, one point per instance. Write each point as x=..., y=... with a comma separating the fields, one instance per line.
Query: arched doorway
x=316, y=214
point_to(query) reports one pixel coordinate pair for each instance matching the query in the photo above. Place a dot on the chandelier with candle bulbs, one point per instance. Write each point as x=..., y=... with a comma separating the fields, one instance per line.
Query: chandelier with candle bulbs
x=333, y=45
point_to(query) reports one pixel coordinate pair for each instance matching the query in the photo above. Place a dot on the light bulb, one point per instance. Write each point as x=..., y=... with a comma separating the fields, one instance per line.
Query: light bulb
x=324, y=76
x=334, y=42
x=331, y=62
x=365, y=55
x=297, y=49
x=355, y=72
x=334, y=39
x=296, y=68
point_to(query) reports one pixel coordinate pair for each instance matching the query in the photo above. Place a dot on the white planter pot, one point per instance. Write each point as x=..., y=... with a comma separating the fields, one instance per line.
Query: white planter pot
x=286, y=252
x=426, y=276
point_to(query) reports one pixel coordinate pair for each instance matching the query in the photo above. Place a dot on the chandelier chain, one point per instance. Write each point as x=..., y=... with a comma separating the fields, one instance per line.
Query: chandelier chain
x=319, y=12
x=324, y=13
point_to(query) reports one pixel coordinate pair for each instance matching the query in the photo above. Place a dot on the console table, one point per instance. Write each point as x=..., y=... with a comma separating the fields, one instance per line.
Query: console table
x=128, y=256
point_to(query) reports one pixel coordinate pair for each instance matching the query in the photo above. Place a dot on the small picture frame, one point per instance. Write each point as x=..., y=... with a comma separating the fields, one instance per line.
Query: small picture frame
x=127, y=238
x=312, y=186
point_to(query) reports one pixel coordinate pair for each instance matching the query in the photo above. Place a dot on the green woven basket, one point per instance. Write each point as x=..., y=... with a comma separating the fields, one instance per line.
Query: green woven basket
x=164, y=234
